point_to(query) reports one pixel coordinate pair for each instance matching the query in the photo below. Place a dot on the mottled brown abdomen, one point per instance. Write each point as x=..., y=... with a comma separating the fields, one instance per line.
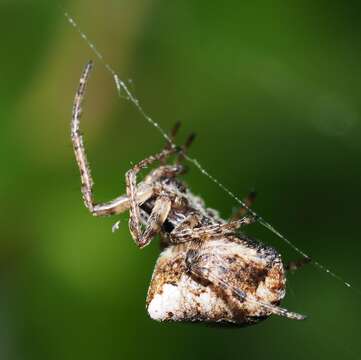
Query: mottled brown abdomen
x=176, y=295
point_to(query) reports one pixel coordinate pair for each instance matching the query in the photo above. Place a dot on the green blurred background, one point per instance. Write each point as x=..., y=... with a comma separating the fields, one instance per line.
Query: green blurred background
x=272, y=89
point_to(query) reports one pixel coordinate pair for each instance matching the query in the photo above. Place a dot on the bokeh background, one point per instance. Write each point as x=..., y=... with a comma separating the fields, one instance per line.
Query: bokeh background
x=272, y=88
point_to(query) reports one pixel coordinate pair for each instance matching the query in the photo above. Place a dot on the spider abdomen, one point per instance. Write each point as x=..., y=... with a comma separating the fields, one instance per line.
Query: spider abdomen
x=177, y=295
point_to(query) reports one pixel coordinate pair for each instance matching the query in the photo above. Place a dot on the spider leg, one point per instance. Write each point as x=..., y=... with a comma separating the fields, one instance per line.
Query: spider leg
x=210, y=274
x=183, y=231
x=117, y=205
x=297, y=264
x=172, y=135
x=185, y=147
x=160, y=210
x=169, y=144
x=156, y=219
x=164, y=171
x=189, y=232
x=248, y=201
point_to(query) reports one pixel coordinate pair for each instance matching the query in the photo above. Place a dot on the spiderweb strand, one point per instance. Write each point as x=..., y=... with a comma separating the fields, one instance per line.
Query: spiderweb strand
x=121, y=86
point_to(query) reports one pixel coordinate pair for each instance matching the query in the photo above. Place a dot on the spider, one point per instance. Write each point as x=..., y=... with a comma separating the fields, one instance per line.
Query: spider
x=208, y=270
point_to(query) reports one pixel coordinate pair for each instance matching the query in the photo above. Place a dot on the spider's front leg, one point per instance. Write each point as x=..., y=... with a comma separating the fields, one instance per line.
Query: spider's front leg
x=161, y=206
x=121, y=203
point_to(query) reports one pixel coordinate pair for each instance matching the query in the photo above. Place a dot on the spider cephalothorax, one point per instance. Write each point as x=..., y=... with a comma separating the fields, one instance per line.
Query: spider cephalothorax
x=208, y=270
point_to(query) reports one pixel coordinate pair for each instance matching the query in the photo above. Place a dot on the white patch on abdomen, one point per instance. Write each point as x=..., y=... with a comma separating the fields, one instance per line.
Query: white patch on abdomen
x=164, y=304
x=188, y=300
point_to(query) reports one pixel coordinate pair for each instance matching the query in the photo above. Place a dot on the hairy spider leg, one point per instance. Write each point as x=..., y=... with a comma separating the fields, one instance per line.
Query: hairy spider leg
x=186, y=230
x=119, y=204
